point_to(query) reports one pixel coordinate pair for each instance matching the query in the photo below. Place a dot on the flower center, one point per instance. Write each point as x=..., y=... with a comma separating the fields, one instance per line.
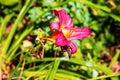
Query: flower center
x=67, y=33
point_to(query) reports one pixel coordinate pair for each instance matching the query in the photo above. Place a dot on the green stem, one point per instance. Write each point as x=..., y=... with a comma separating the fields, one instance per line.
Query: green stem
x=89, y=3
x=3, y=25
x=103, y=77
x=53, y=70
x=12, y=32
x=115, y=58
x=29, y=28
x=13, y=50
x=92, y=65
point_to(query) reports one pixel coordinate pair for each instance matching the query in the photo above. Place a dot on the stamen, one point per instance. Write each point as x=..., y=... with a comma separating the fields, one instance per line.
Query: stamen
x=49, y=39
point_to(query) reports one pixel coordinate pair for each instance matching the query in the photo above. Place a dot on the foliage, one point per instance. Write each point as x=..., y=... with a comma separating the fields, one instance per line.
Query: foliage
x=24, y=54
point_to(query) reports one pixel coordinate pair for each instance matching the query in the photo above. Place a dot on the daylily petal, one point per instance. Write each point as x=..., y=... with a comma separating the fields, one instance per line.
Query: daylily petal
x=54, y=26
x=73, y=47
x=65, y=20
x=57, y=12
x=80, y=33
x=54, y=35
x=64, y=32
x=61, y=40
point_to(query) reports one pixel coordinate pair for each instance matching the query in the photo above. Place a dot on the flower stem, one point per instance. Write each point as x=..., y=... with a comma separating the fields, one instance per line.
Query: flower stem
x=12, y=32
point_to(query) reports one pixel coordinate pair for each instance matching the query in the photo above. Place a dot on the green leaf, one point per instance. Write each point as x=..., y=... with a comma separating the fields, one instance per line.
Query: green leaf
x=9, y=2
x=115, y=58
x=116, y=17
x=4, y=24
x=52, y=71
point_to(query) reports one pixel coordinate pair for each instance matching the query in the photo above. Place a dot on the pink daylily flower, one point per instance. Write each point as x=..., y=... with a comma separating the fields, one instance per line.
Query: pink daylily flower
x=65, y=32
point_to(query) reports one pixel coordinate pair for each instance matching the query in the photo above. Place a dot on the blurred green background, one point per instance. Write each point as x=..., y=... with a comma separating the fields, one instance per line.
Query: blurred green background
x=25, y=56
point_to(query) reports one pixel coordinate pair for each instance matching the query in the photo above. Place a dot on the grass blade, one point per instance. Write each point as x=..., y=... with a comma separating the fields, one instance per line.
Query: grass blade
x=53, y=70
x=20, y=16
